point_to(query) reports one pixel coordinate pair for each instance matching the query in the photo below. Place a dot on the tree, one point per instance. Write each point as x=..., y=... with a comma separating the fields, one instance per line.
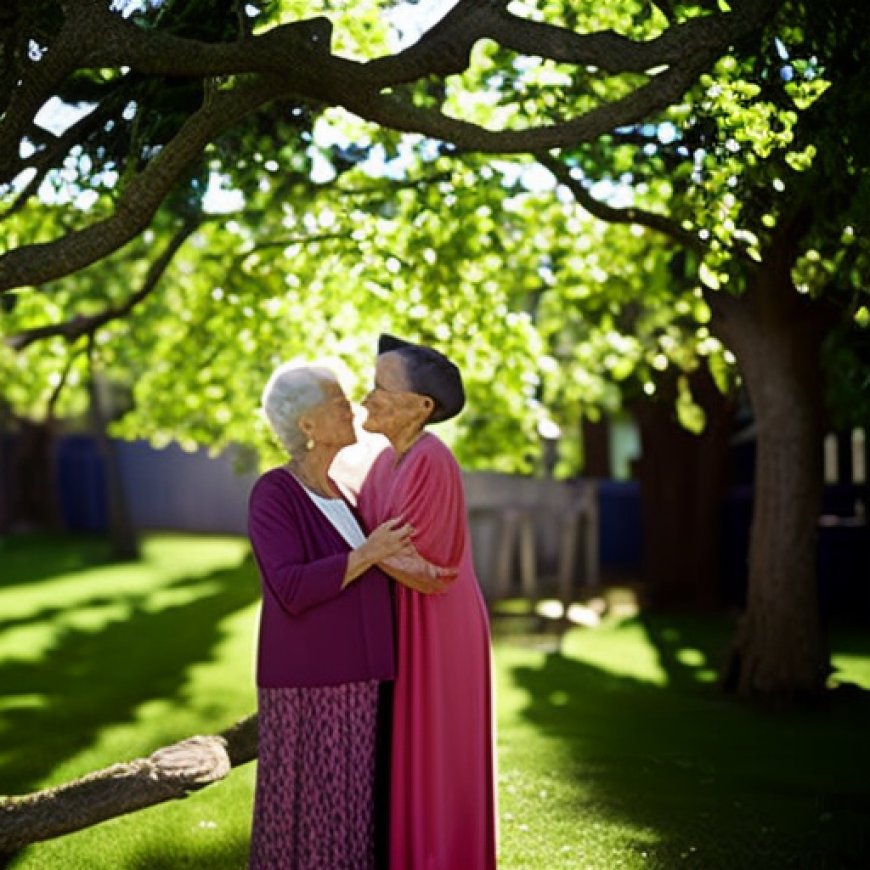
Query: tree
x=761, y=177
x=626, y=336
x=172, y=97
x=164, y=83
x=272, y=149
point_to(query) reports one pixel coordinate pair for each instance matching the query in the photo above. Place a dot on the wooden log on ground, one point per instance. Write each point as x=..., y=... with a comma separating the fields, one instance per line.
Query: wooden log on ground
x=170, y=773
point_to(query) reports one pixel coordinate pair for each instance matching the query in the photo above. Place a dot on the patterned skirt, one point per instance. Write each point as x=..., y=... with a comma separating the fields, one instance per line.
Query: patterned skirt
x=314, y=807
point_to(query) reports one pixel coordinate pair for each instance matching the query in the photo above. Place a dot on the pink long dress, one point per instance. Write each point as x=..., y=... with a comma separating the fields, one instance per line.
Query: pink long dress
x=442, y=798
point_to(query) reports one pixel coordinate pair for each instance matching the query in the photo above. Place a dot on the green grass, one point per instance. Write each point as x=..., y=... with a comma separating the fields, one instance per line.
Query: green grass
x=617, y=751
x=620, y=752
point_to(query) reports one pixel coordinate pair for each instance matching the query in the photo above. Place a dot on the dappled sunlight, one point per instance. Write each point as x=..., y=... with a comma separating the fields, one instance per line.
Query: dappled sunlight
x=695, y=660
x=163, y=599
x=550, y=804
x=14, y=701
x=851, y=669
x=690, y=648
x=160, y=554
x=111, y=672
x=588, y=613
x=623, y=653
x=550, y=609
x=621, y=732
x=584, y=614
x=612, y=750
x=73, y=589
x=850, y=659
x=198, y=553
x=27, y=642
x=33, y=616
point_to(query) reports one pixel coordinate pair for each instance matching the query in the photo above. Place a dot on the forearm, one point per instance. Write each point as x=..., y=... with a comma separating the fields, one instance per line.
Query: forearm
x=410, y=569
x=404, y=569
x=358, y=562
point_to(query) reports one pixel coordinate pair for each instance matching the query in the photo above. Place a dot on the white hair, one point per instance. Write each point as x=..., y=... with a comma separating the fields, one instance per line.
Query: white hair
x=291, y=391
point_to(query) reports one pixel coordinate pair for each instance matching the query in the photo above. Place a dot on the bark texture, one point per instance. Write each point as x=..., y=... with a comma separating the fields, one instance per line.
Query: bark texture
x=780, y=652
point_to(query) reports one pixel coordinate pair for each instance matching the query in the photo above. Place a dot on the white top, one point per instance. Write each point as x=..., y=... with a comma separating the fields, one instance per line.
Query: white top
x=339, y=514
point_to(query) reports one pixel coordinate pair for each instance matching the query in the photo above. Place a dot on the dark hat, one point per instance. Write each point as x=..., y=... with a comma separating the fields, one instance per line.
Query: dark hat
x=430, y=374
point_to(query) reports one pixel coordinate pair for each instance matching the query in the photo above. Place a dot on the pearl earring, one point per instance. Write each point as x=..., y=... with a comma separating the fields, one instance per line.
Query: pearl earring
x=309, y=444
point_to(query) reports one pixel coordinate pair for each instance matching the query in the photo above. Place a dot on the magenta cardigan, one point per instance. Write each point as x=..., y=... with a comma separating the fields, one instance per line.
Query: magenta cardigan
x=313, y=632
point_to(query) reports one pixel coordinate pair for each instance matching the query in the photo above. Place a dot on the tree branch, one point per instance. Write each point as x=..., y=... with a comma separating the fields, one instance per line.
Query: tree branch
x=38, y=263
x=58, y=389
x=652, y=220
x=615, y=53
x=93, y=36
x=44, y=160
x=685, y=55
x=445, y=49
x=287, y=49
x=399, y=113
x=37, y=83
x=72, y=330
x=167, y=774
x=298, y=63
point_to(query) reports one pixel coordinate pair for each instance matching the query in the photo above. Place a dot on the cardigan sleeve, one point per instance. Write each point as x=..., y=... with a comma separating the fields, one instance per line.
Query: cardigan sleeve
x=297, y=582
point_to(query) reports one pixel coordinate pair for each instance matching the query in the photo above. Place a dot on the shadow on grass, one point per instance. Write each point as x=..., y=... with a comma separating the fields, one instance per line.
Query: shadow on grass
x=691, y=647
x=47, y=614
x=721, y=786
x=232, y=855
x=18, y=566
x=91, y=678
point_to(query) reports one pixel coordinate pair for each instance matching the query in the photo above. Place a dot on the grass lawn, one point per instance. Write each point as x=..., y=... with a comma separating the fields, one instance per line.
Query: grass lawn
x=617, y=751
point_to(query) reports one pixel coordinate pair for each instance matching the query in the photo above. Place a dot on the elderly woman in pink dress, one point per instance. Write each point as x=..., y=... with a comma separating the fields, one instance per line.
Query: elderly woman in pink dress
x=325, y=640
x=442, y=790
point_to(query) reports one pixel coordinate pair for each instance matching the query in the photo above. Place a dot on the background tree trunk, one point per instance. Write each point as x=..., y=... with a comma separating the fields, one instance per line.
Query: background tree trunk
x=125, y=543
x=5, y=469
x=595, y=436
x=32, y=498
x=682, y=485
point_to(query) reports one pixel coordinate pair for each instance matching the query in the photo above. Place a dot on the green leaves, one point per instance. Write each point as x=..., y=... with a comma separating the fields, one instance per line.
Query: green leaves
x=321, y=230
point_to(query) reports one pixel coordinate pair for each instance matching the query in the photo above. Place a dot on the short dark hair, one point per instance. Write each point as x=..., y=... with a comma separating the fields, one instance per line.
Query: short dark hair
x=429, y=373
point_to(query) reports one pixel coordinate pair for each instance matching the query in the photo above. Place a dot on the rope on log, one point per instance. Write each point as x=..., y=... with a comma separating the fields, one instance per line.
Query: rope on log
x=169, y=773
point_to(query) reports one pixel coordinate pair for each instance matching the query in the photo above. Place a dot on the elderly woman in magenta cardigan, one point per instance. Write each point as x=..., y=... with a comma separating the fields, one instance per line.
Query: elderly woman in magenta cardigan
x=325, y=639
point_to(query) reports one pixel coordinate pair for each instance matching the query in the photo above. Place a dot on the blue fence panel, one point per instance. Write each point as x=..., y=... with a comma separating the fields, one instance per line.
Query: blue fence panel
x=619, y=518
x=81, y=484
x=175, y=489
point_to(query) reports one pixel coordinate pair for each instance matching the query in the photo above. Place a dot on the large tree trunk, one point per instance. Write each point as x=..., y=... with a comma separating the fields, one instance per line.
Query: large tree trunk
x=780, y=652
x=682, y=486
